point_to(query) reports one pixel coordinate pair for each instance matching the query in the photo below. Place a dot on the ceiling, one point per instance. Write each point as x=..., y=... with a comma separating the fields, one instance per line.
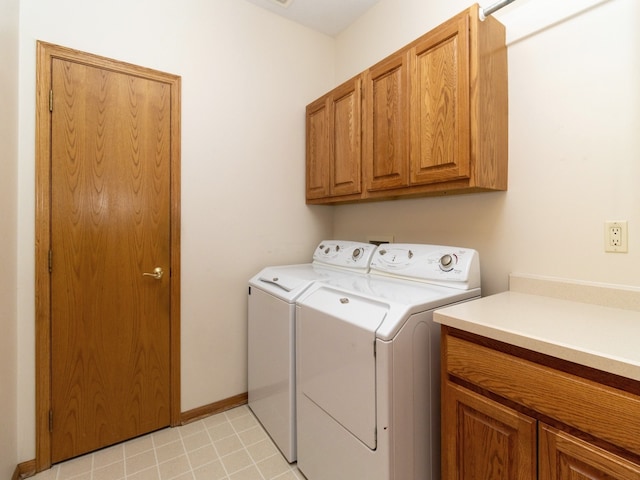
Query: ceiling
x=326, y=16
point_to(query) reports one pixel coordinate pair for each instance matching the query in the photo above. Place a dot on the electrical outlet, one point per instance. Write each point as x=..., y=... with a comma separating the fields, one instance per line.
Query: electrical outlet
x=615, y=237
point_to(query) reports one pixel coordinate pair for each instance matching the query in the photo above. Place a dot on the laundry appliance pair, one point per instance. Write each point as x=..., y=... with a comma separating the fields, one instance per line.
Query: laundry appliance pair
x=364, y=378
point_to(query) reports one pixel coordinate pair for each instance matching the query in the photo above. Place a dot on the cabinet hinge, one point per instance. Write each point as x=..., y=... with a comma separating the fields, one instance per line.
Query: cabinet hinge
x=51, y=100
x=51, y=420
x=50, y=261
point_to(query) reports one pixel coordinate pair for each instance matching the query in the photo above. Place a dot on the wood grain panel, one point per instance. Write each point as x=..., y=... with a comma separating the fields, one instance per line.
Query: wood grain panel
x=601, y=411
x=565, y=457
x=317, y=145
x=489, y=103
x=447, y=91
x=385, y=124
x=346, y=145
x=440, y=135
x=47, y=54
x=110, y=223
x=214, y=408
x=483, y=439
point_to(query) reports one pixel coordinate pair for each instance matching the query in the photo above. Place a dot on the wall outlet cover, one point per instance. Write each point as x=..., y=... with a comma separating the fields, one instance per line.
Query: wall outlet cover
x=615, y=236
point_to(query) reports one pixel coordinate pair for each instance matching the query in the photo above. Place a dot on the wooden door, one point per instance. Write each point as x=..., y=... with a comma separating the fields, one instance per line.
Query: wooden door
x=565, y=457
x=440, y=110
x=112, y=224
x=482, y=439
x=386, y=124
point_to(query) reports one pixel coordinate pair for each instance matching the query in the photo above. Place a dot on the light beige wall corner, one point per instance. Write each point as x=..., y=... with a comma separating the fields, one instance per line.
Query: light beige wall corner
x=8, y=244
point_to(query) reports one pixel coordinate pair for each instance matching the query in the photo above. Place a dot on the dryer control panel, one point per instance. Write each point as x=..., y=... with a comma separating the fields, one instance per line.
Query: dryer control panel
x=441, y=265
x=345, y=254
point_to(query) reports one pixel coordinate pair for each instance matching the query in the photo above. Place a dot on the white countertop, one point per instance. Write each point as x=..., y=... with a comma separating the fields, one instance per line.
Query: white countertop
x=598, y=336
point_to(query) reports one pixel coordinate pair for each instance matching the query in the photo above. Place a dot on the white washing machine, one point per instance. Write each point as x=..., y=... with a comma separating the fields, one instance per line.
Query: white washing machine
x=368, y=364
x=271, y=332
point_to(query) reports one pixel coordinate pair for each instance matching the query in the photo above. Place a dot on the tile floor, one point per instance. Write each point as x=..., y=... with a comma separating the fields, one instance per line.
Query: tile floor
x=228, y=446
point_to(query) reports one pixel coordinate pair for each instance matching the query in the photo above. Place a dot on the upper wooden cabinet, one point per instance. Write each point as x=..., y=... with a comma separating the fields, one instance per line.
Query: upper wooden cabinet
x=433, y=117
x=385, y=124
x=440, y=108
x=334, y=144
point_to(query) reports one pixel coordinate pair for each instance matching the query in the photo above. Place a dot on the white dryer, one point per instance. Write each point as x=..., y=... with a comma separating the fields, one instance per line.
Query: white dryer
x=271, y=332
x=368, y=364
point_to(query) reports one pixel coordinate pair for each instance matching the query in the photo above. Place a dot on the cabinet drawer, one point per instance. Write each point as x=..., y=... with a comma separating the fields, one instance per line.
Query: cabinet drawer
x=607, y=413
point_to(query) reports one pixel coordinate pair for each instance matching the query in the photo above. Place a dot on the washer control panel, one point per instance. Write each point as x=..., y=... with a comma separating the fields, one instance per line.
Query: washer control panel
x=344, y=253
x=448, y=261
x=437, y=264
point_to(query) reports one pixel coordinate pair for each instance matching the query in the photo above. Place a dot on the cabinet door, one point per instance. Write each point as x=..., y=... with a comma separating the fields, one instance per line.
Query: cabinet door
x=334, y=147
x=440, y=116
x=386, y=124
x=565, y=457
x=318, y=148
x=346, y=144
x=482, y=439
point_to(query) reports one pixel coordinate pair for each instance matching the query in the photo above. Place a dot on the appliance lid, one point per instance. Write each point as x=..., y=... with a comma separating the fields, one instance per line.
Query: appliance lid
x=283, y=281
x=401, y=298
x=286, y=282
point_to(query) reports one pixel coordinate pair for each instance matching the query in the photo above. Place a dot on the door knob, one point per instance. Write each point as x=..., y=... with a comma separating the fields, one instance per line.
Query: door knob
x=157, y=273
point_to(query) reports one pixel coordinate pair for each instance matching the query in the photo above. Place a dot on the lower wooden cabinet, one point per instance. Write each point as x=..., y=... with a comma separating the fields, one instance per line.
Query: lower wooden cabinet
x=563, y=456
x=483, y=439
x=510, y=415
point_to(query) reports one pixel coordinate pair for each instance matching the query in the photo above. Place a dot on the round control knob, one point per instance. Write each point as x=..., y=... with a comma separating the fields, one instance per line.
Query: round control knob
x=447, y=262
x=357, y=253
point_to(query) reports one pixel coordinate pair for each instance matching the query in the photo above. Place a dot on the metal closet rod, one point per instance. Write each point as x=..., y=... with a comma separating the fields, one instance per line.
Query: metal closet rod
x=485, y=12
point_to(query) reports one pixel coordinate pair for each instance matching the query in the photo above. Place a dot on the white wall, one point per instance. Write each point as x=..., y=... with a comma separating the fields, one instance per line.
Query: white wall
x=8, y=245
x=246, y=78
x=574, y=118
